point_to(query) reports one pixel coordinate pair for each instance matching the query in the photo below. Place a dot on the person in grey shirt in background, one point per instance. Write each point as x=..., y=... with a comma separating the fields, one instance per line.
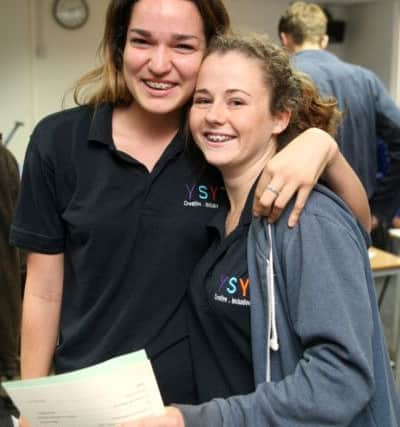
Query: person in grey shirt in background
x=369, y=111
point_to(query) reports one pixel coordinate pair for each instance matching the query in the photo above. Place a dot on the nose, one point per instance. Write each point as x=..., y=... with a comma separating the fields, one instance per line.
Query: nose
x=215, y=114
x=160, y=62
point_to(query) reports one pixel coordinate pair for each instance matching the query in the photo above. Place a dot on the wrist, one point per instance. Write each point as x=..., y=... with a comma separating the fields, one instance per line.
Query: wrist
x=333, y=159
x=322, y=137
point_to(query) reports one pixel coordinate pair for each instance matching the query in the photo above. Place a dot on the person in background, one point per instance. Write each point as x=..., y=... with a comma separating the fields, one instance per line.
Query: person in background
x=284, y=325
x=368, y=110
x=113, y=208
x=10, y=276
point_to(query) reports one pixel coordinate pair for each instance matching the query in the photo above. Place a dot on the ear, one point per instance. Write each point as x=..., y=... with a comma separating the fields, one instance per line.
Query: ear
x=284, y=39
x=281, y=121
x=324, y=41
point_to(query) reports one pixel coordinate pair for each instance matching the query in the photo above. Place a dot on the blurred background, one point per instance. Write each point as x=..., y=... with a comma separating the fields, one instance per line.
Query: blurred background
x=40, y=59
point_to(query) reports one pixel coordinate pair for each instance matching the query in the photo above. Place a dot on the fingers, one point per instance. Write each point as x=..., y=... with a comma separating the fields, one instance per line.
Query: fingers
x=260, y=208
x=279, y=183
x=301, y=200
x=266, y=194
x=281, y=202
x=272, y=205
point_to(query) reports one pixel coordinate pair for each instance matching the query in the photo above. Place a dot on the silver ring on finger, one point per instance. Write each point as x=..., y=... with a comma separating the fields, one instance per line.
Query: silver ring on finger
x=272, y=190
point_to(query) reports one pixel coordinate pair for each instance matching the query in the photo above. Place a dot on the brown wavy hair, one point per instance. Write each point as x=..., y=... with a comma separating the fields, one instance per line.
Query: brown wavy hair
x=290, y=90
x=107, y=80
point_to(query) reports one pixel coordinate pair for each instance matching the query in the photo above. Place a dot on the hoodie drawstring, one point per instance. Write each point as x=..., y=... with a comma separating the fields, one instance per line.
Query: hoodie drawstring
x=272, y=337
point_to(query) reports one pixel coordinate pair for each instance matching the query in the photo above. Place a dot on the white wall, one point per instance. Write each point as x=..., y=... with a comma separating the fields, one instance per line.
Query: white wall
x=373, y=39
x=257, y=15
x=40, y=60
x=15, y=76
x=61, y=56
x=395, y=80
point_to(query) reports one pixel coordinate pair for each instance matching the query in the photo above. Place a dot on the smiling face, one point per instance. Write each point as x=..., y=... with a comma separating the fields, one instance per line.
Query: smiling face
x=164, y=48
x=230, y=117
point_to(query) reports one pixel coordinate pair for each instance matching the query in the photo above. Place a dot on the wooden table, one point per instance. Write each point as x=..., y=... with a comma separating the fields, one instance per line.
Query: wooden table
x=383, y=263
x=394, y=234
x=387, y=264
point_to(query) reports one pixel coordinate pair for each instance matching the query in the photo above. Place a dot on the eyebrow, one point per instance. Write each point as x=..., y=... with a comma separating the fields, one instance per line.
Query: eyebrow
x=175, y=36
x=229, y=91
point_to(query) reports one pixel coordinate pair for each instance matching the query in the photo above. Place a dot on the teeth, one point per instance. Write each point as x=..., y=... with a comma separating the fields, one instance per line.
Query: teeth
x=159, y=85
x=218, y=138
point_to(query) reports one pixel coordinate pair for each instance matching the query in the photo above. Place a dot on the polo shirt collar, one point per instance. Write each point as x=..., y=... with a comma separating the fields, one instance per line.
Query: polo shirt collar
x=101, y=130
x=101, y=125
x=218, y=221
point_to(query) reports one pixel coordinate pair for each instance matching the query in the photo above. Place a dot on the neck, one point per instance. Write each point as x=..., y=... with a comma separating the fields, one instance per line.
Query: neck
x=306, y=46
x=150, y=124
x=143, y=135
x=238, y=184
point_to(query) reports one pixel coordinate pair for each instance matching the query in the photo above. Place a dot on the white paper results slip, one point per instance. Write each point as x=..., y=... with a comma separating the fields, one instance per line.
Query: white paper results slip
x=120, y=389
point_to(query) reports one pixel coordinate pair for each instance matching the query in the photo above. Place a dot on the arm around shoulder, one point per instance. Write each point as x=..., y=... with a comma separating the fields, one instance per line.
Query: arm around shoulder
x=345, y=183
x=298, y=167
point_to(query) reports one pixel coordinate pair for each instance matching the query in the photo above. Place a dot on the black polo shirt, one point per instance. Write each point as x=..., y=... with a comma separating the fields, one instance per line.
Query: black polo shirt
x=130, y=239
x=219, y=298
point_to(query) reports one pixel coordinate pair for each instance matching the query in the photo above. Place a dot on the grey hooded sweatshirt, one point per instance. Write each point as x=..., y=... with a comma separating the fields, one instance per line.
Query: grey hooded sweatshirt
x=318, y=349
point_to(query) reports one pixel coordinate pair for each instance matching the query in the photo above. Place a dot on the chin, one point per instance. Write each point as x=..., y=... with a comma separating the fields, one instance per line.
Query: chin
x=219, y=161
x=161, y=107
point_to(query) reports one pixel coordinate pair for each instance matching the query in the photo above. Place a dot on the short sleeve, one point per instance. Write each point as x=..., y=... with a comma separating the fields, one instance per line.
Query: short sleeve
x=37, y=224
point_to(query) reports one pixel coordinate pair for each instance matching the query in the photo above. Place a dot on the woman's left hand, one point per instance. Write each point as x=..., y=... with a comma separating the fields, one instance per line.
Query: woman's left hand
x=171, y=418
x=296, y=168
